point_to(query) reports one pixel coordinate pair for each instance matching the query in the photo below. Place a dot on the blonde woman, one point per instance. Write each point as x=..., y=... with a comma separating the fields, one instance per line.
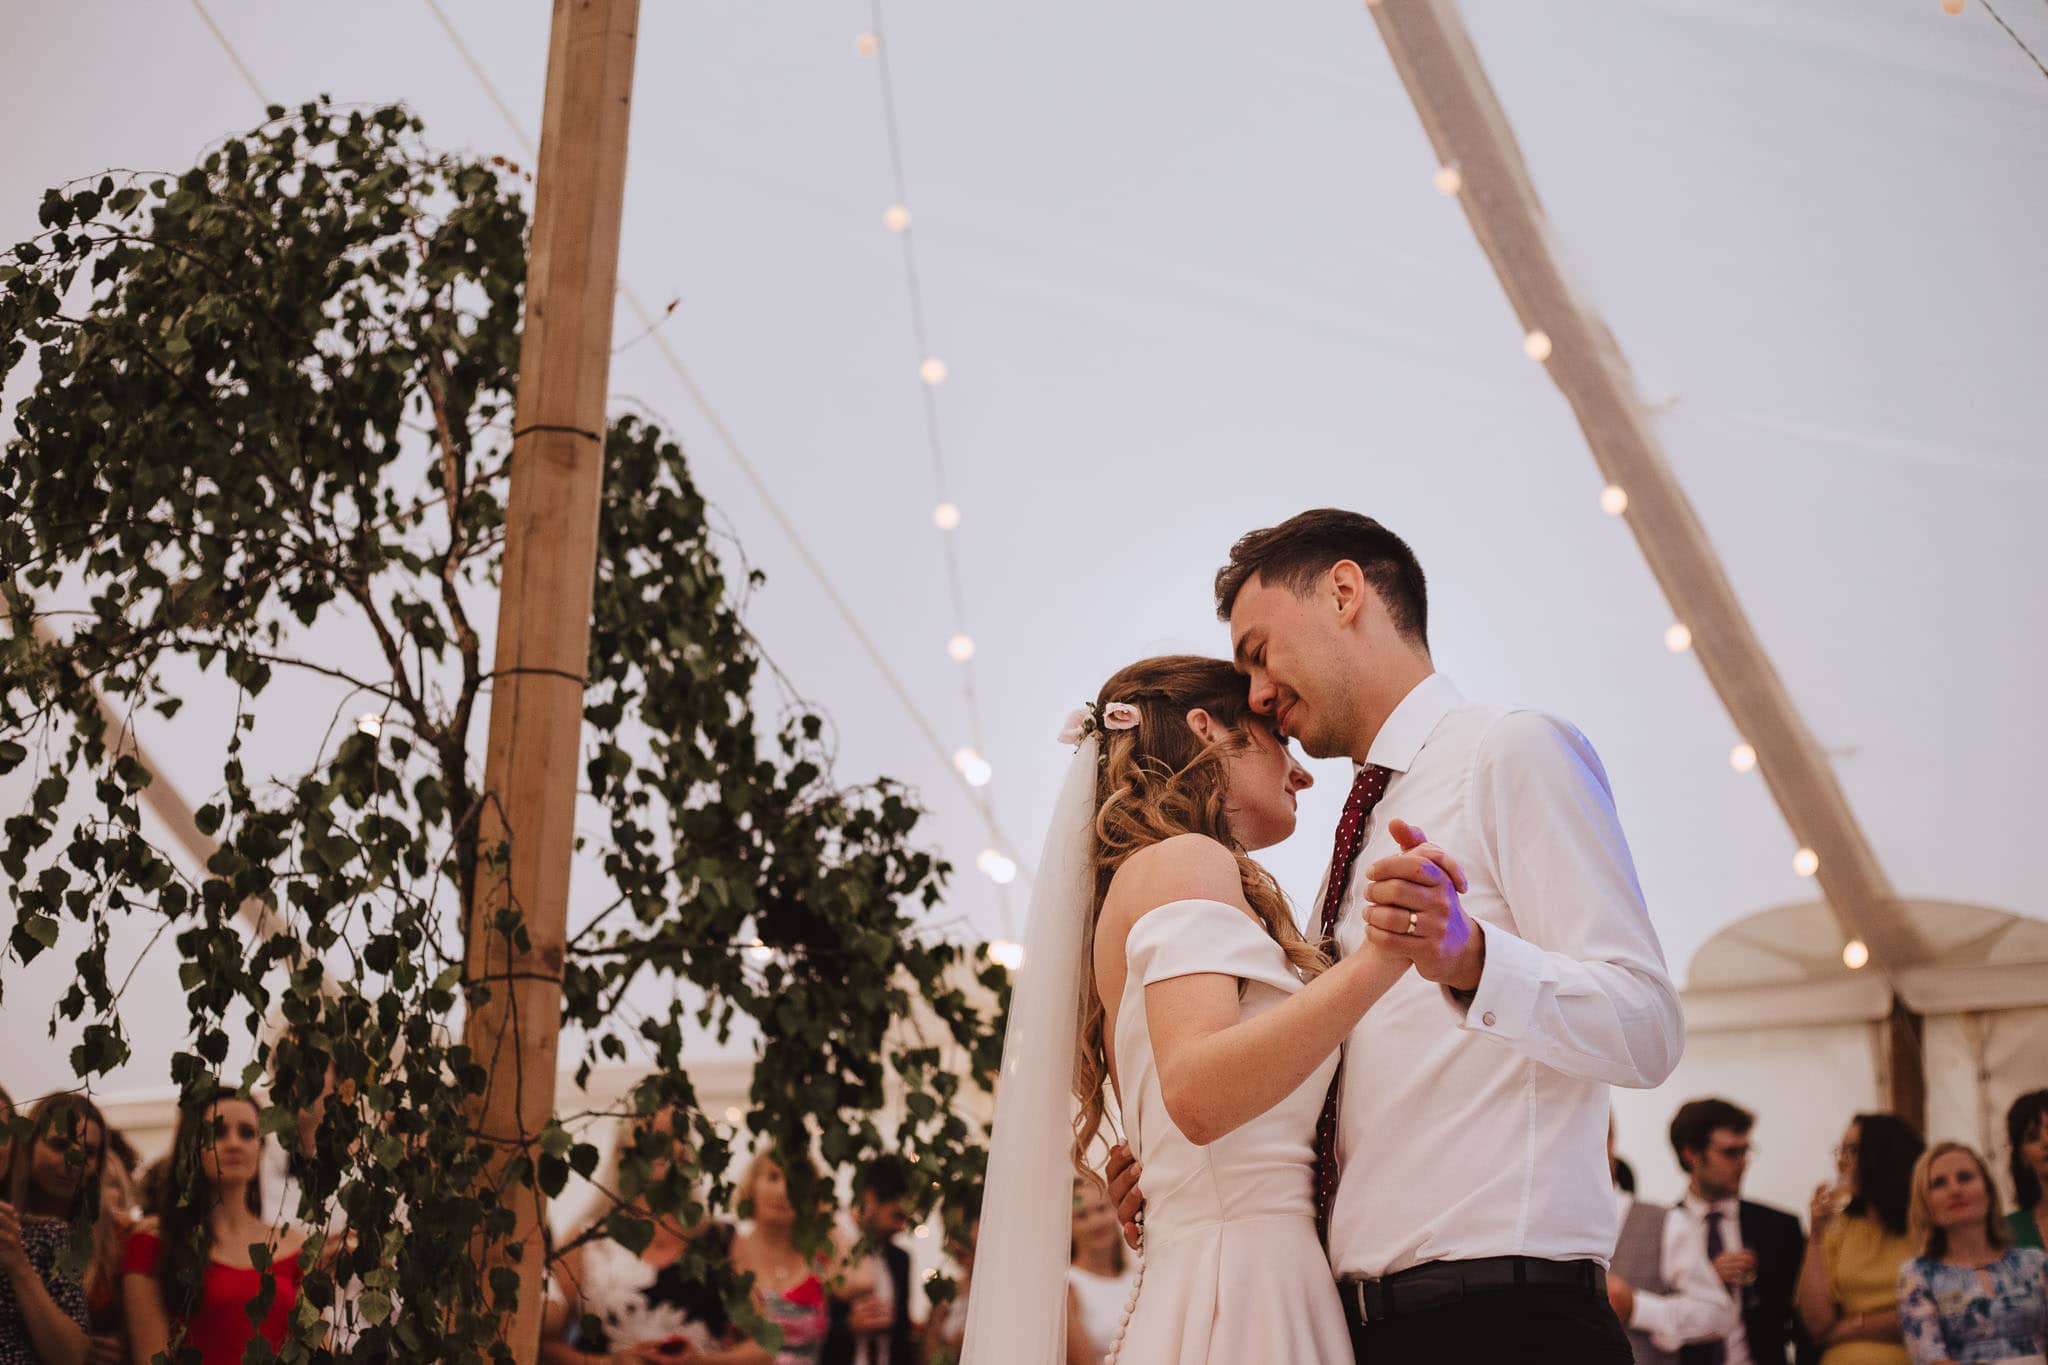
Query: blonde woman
x=1201, y=1005
x=790, y=1287
x=1968, y=1296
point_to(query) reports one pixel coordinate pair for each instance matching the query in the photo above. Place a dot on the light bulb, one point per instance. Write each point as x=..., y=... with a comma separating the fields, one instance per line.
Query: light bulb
x=1806, y=862
x=1449, y=180
x=1007, y=953
x=946, y=516
x=1678, y=637
x=933, y=371
x=370, y=723
x=1953, y=6
x=1855, y=954
x=1742, y=758
x=973, y=767
x=867, y=44
x=961, y=648
x=1536, y=346
x=996, y=867
x=760, y=952
x=732, y=1114
x=1614, y=500
x=897, y=219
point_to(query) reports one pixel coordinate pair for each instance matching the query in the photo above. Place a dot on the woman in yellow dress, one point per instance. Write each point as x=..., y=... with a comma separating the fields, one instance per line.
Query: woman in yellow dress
x=1849, y=1285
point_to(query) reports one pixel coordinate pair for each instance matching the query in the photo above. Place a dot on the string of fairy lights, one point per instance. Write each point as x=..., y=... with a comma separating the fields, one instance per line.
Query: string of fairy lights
x=967, y=762
x=1743, y=757
x=970, y=759
x=969, y=767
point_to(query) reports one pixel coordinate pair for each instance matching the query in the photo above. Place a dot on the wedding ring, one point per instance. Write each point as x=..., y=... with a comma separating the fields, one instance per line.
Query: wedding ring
x=1411, y=921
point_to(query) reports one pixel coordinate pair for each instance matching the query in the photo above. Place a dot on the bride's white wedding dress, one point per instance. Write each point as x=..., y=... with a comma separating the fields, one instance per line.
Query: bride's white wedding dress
x=1234, y=1272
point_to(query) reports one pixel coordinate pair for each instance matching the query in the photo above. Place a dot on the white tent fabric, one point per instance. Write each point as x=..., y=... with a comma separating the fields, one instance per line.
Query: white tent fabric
x=1189, y=274
x=1778, y=1023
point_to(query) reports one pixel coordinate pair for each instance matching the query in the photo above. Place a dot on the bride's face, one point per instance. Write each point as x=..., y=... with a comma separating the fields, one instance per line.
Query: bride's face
x=1262, y=779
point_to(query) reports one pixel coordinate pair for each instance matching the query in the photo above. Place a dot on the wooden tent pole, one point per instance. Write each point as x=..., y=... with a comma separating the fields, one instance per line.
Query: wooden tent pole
x=527, y=830
x=1470, y=131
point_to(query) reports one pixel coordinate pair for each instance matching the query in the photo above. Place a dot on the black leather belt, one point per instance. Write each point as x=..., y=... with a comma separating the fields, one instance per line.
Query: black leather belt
x=1440, y=1284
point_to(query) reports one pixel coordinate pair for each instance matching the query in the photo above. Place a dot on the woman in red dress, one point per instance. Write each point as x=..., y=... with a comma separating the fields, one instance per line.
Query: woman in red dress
x=192, y=1274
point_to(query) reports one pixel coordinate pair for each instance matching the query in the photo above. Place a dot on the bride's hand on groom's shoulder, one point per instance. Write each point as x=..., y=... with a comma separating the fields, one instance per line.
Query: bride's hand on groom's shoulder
x=1413, y=911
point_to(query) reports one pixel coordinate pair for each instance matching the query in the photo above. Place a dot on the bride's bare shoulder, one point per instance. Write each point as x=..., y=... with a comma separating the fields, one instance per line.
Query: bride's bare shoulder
x=1187, y=867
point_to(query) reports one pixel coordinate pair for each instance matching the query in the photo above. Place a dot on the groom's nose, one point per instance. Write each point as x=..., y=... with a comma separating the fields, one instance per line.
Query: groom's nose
x=1262, y=693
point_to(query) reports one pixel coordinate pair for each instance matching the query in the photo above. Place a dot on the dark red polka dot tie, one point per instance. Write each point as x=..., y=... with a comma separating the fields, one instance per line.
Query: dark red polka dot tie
x=1365, y=794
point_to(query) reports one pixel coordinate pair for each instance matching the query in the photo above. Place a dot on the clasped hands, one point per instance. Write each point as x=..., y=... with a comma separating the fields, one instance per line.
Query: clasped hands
x=1412, y=910
x=1418, y=887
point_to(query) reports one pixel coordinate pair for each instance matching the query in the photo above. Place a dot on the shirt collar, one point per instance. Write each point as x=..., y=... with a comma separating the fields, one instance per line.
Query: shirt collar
x=1408, y=727
x=1700, y=1208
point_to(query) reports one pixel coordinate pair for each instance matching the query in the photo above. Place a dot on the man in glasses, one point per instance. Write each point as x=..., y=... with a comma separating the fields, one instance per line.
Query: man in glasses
x=1755, y=1249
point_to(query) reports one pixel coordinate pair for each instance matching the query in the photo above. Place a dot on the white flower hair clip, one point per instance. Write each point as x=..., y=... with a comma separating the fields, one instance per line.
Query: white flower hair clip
x=1087, y=720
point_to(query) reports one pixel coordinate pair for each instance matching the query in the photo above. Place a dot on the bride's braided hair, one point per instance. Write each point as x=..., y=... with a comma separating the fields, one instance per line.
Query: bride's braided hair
x=1155, y=781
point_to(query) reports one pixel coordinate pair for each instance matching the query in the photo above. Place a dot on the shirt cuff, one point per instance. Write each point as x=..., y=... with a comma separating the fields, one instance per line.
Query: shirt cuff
x=1652, y=1317
x=1516, y=977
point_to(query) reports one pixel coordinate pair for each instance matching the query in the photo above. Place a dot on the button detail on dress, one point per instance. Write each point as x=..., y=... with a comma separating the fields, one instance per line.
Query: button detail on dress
x=1487, y=1018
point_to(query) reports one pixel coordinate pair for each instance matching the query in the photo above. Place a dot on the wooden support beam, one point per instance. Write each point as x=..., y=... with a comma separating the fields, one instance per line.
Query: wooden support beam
x=527, y=833
x=1905, y=1076
x=1469, y=130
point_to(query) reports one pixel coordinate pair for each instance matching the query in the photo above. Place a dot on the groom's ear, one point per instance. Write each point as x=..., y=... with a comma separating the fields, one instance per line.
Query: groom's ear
x=1348, y=589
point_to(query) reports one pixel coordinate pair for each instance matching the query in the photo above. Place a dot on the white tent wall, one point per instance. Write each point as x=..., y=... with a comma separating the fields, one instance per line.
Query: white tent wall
x=1804, y=1081
x=1801, y=1082
x=1977, y=1065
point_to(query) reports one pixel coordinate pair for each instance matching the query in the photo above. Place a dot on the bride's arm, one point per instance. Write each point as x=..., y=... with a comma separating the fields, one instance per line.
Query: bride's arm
x=1217, y=1072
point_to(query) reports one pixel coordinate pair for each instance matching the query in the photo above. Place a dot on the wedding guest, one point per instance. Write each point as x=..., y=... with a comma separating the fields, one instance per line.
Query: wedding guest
x=2026, y=1130
x=948, y=1328
x=612, y=1304
x=6, y=1140
x=873, y=1328
x=1848, y=1288
x=189, y=1274
x=105, y=1323
x=789, y=1286
x=53, y=1181
x=1100, y=1279
x=1660, y=1283
x=1756, y=1250
x=149, y=1191
x=1968, y=1296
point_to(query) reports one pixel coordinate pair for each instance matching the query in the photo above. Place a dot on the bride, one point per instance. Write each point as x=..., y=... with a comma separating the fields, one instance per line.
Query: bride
x=1161, y=958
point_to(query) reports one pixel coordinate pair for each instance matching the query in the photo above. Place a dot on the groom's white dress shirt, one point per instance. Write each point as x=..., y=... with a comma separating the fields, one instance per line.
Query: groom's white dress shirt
x=1481, y=1130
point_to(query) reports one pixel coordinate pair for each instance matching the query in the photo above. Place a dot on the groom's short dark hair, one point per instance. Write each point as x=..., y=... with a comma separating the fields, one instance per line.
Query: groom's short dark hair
x=1301, y=549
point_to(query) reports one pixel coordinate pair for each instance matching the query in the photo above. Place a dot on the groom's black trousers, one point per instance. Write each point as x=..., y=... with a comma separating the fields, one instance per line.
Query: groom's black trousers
x=1515, y=1325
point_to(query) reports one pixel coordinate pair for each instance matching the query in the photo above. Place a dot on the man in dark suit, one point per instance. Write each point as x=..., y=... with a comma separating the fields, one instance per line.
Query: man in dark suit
x=873, y=1328
x=1755, y=1248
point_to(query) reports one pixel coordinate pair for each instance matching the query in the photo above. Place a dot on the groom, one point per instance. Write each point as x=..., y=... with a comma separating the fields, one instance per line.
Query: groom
x=1469, y=1208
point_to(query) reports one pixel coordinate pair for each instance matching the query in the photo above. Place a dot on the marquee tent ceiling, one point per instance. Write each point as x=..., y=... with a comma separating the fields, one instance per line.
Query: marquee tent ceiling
x=1189, y=274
